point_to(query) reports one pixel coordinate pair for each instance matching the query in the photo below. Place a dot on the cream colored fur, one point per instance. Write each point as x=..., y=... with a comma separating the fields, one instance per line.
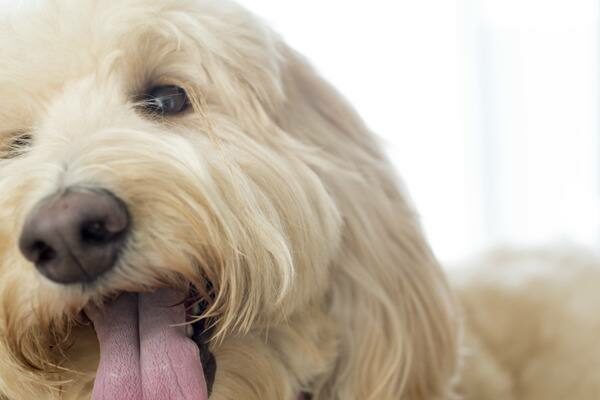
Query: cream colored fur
x=533, y=324
x=272, y=189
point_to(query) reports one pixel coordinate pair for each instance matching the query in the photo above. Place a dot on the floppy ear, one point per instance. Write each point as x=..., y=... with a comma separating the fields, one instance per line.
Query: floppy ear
x=397, y=323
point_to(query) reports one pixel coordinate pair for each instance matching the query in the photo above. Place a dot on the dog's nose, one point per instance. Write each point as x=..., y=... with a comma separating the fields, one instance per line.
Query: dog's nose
x=77, y=236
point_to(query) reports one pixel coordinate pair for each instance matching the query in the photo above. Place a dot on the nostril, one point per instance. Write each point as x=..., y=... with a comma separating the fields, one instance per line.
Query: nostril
x=42, y=253
x=95, y=233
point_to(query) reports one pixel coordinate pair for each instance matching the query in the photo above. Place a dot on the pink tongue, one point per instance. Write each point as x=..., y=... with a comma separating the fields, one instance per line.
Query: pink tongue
x=142, y=355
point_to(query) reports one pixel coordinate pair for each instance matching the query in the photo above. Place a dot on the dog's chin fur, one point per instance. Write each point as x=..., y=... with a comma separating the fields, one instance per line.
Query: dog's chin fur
x=270, y=189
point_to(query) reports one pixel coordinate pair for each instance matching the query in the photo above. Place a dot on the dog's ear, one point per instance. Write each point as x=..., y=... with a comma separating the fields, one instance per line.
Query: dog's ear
x=397, y=323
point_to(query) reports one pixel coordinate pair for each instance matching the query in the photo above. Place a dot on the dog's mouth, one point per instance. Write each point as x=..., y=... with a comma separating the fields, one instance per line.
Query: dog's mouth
x=150, y=349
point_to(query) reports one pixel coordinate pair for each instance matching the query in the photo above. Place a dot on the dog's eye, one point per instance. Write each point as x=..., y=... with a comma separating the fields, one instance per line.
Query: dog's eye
x=15, y=146
x=166, y=100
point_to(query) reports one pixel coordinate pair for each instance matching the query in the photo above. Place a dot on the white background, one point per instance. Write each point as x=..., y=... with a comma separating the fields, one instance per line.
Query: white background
x=489, y=108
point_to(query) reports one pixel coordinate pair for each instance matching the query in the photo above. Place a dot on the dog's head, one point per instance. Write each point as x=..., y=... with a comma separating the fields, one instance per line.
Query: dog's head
x=180, y=144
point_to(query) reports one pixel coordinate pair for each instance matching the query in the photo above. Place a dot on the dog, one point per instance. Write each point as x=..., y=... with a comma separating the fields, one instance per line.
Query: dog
x=189, y=210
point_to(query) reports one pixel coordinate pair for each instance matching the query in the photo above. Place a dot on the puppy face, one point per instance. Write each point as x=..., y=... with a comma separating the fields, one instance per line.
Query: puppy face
x=217, y=194
x=180, y=144
x=215, y=191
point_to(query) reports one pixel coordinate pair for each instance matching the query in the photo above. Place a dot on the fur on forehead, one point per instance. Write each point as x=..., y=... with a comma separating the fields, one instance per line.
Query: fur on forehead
x=215, y=46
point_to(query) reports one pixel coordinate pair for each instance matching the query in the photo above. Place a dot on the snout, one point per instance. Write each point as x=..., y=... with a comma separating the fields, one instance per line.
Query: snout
x=77, y=236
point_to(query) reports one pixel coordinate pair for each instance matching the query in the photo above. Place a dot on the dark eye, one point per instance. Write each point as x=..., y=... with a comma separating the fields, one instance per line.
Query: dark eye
x=15, y=146
x=166, y=100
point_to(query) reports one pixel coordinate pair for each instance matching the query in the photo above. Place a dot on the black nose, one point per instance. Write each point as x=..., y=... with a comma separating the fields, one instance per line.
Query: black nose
x=77, y=236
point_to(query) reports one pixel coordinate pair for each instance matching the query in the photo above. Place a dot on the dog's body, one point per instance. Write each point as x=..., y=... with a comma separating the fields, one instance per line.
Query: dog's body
x=531, y=325
x=267, y=195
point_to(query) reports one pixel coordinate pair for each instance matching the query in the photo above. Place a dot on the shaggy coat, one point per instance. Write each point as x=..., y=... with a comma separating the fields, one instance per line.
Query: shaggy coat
x=269, y=196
